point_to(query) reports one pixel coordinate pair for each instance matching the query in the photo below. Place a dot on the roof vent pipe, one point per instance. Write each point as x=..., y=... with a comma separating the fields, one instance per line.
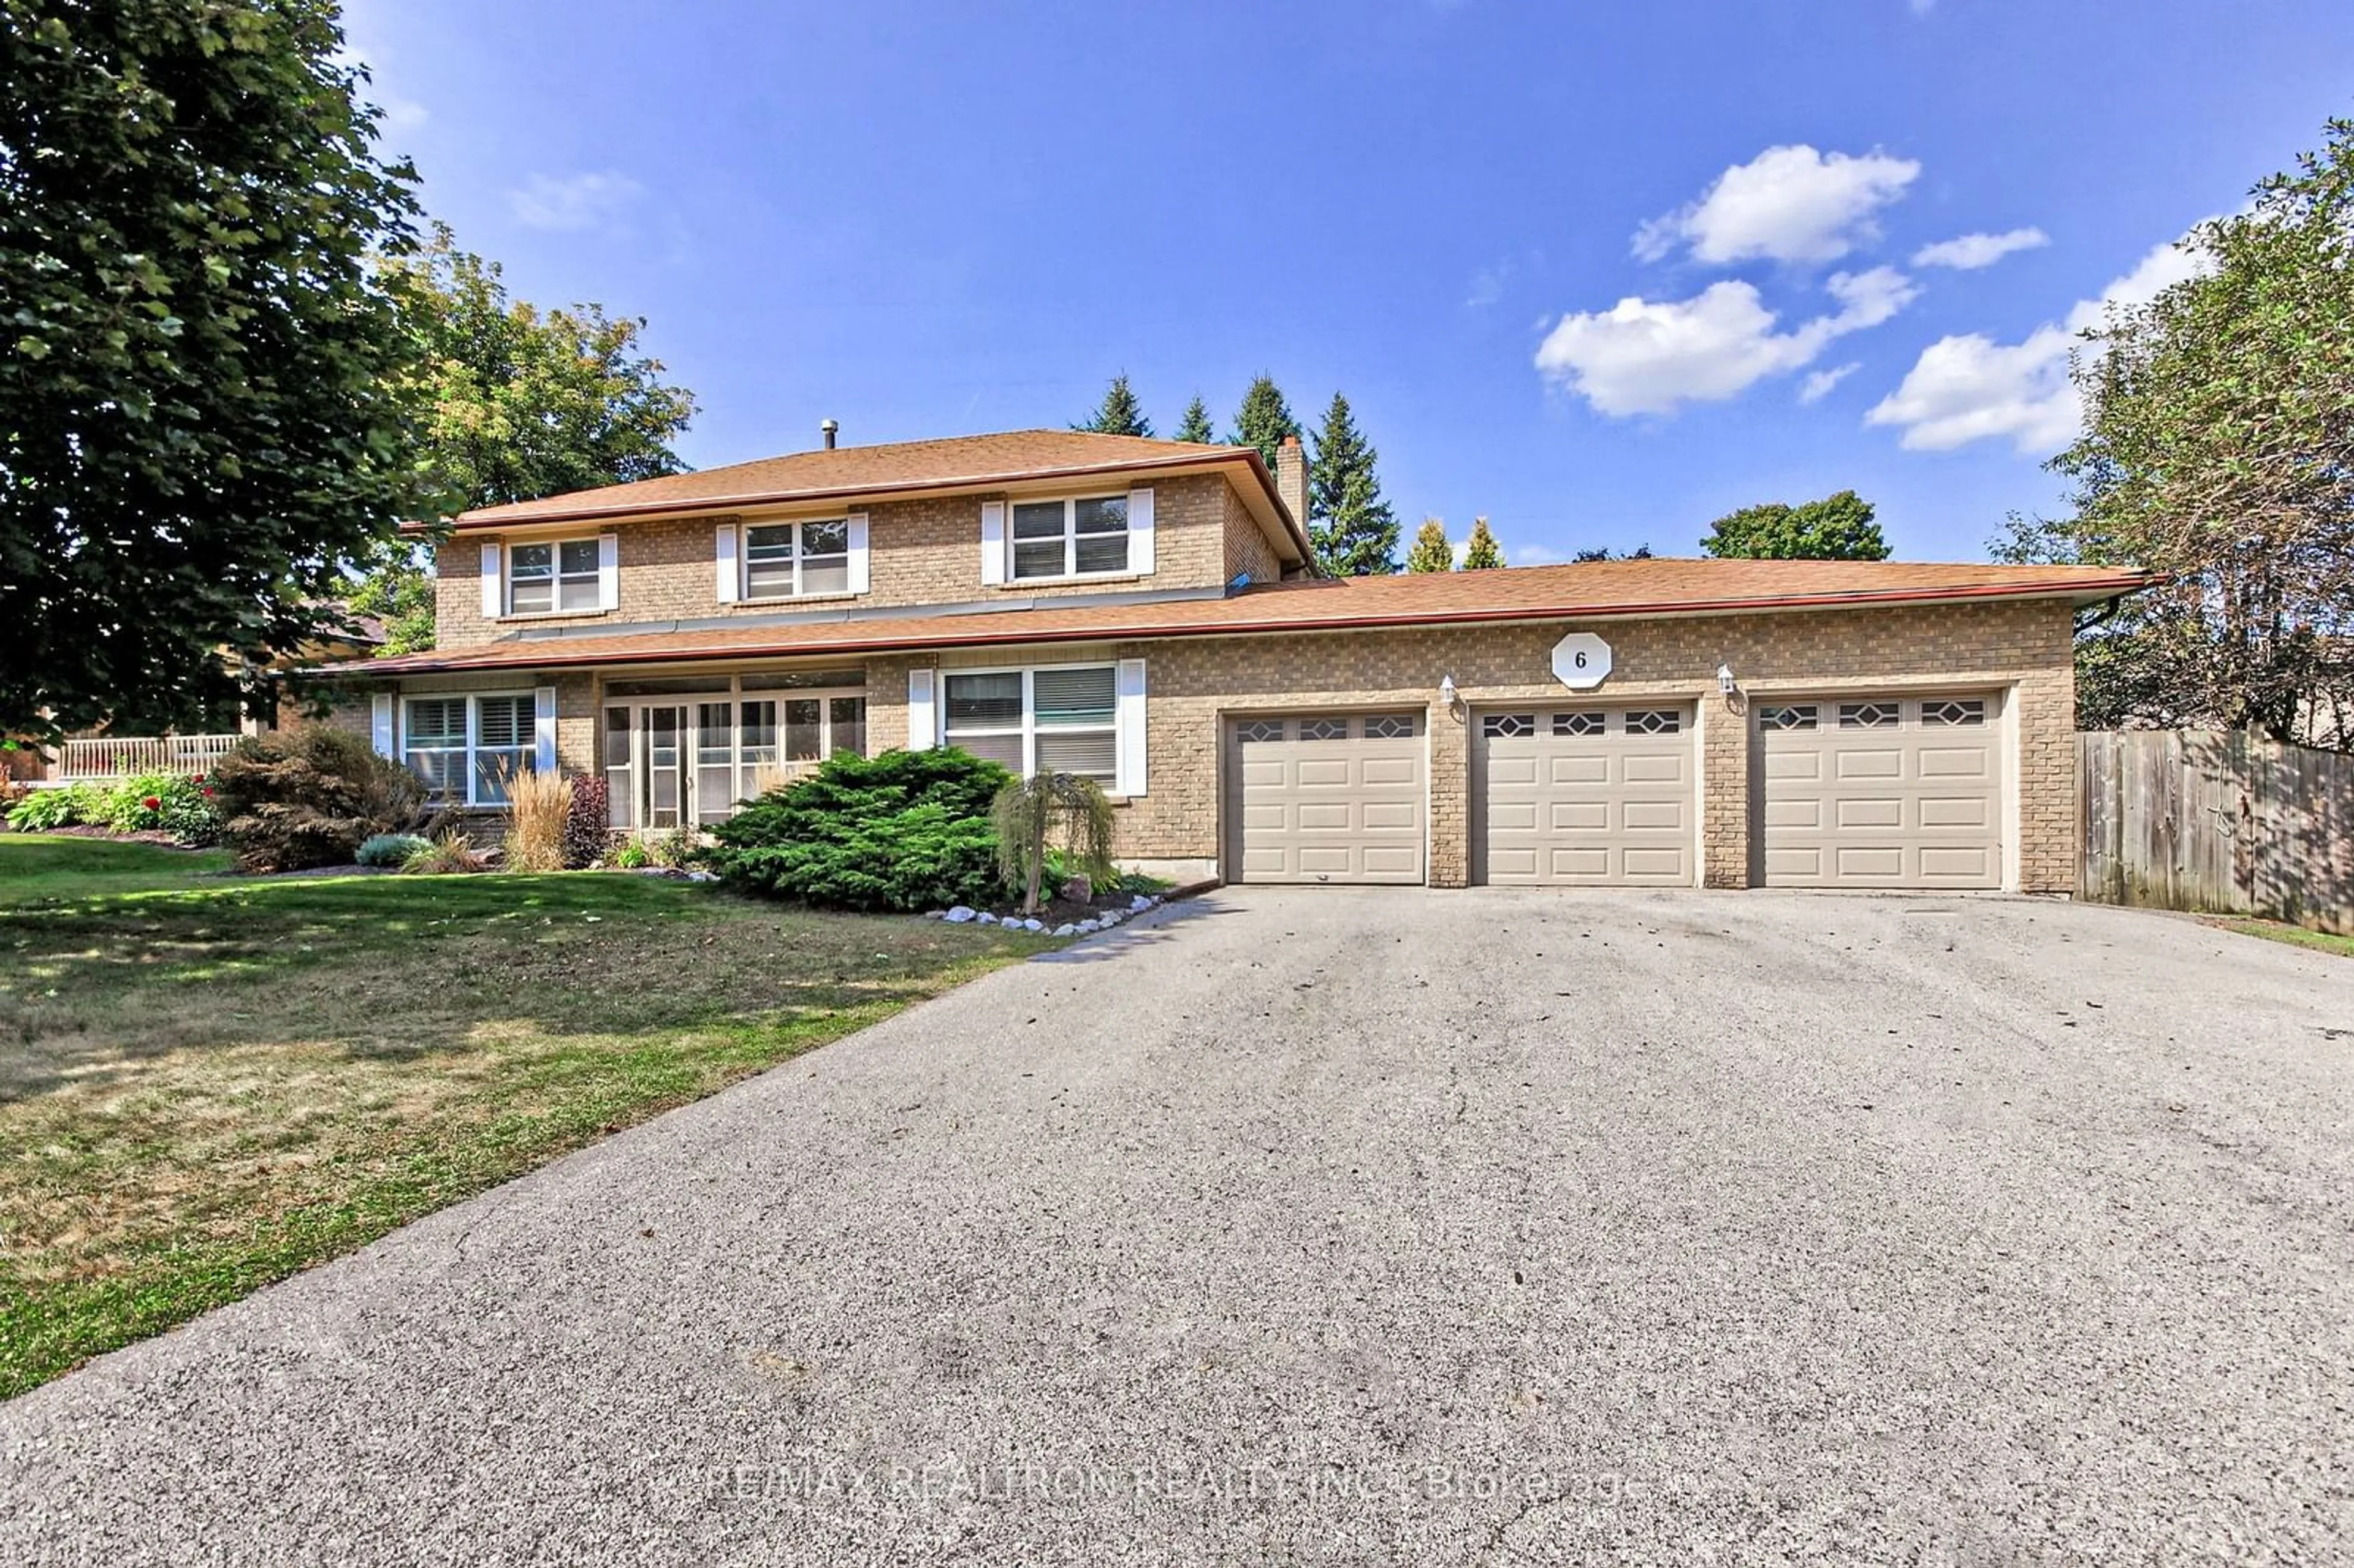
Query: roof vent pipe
x=830, y=429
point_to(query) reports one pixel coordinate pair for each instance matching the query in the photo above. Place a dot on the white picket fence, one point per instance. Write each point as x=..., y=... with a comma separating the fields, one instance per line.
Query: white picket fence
x=120, y=756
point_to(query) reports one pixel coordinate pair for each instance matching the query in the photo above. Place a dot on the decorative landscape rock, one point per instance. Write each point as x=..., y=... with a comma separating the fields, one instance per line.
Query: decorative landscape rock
x=961, y=915
x=1141, y=901
x=1033, y=925
x=986, y=918
x=1078, y=890
x=1066, y=930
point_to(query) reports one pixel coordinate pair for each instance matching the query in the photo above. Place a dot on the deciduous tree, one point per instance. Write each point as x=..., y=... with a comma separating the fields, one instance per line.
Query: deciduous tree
x=521, y=402
x=1839, y=527
x=2219, y=449
x=206, y=404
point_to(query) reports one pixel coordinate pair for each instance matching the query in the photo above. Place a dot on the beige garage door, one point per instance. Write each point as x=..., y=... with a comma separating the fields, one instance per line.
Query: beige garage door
x=1882, y=791
x=1602, y=797
x=1327, y=797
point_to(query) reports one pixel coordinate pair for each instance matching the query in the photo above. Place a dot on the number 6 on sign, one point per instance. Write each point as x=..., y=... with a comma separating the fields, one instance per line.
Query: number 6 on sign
x=1581, y=661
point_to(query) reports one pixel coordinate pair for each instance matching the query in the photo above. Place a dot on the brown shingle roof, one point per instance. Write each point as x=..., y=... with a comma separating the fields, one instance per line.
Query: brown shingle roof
x=959, y=461
x=1586, y=590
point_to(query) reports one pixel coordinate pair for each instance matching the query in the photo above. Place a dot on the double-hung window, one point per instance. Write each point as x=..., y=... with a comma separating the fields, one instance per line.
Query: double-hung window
x=553, y=578
x=794, y=560
x=436, y=731
x=1056, y=720
x=466, y=749
x=1083, y=538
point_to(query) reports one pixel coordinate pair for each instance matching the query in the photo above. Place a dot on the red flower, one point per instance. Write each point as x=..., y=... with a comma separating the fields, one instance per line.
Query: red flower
x=208, y=791
x=152, y=803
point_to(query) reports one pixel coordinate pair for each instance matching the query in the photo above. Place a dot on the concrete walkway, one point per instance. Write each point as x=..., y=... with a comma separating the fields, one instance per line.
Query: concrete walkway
x=1354, y=1227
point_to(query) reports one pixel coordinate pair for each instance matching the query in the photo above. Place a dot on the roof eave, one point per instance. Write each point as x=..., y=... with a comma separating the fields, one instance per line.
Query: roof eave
x=486, y=519
x=994, y=633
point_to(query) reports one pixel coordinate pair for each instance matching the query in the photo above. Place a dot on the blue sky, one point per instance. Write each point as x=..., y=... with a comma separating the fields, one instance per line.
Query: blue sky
x=1599, y=271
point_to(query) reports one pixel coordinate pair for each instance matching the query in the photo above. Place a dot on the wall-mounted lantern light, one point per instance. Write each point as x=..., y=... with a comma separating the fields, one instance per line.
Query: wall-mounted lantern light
x=1724, y=682
x=1447, y=693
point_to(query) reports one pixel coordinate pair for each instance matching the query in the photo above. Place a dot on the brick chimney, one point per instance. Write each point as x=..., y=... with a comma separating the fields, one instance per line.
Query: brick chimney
x=1291, y=479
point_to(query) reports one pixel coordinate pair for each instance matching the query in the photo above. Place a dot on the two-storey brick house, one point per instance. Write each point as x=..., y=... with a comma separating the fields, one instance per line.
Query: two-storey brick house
x=1145, y=613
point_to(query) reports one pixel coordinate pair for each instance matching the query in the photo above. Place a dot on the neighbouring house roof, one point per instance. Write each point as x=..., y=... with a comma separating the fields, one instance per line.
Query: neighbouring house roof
x=1584, y=590
x=898, y=468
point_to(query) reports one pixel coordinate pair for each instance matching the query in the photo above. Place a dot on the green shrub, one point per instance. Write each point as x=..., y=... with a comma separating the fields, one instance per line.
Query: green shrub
x=391, y=850
x=171, y=803
x=46, y=810
x=633, y=855
x=308, y=797
x=905, y=831
x=446, y=855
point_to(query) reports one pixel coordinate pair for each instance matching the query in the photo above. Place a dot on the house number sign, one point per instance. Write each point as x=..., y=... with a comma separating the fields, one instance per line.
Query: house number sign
x=1581, y=661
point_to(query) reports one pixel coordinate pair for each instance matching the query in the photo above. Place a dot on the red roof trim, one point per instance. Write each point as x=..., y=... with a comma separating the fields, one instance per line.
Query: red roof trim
x=2087, y=590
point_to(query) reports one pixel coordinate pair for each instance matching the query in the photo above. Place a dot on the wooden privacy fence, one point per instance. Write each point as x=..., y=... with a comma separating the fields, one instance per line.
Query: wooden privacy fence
x=2217, y=820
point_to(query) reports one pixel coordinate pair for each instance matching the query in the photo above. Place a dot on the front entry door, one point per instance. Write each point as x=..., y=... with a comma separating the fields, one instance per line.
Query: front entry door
x=664, y=742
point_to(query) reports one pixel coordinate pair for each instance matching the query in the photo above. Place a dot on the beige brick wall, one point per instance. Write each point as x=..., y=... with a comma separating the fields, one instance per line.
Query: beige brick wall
x=2023, y=648
x=921, y=551
x=1194, y=682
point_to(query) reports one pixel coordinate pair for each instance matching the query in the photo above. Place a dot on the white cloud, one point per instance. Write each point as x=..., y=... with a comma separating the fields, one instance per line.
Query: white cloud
x=1488, y=285
x=581, y=201
x=1970, y=251
x=1646, y=357
x=1788, y=204
x=1819, y=384
x=1535, y=556
x=1971, y=388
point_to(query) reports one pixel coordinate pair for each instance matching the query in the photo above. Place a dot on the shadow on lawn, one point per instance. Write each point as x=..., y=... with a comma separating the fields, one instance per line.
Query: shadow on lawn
x=407, y=968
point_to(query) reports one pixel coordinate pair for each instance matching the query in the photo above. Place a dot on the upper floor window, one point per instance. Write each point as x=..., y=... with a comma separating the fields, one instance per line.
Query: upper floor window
x=555, y=578
x=1085, y=536
x=793, y=560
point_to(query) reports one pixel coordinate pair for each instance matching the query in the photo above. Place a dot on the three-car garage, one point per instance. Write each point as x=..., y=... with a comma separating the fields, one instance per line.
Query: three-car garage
x=1895, y=790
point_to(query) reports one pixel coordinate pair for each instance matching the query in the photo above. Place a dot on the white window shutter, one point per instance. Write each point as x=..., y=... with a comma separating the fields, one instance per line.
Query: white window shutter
x=493, y=601
x=923, y=728
x=1139, y=531
x=992, y=542
x=728, y=584
x=1128, y=729
x=543, y=729
x=380, y=724
x=609, y=571
x=861, y=576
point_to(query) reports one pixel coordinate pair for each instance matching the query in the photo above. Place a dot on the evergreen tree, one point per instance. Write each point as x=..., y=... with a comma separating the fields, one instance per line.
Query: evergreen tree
x=1264, y=419
x=1195, y=425
x=1482, y=553
x=1353, y=530
x=1431, y=552
x=1359, y=538
x=1120, y=414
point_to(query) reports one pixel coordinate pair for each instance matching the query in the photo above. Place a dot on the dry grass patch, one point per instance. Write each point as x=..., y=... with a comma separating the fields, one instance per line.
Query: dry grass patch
x=208, y=1085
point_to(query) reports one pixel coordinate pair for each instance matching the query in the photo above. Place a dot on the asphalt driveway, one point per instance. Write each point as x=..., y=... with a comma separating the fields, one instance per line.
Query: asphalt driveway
x=1355, y=1227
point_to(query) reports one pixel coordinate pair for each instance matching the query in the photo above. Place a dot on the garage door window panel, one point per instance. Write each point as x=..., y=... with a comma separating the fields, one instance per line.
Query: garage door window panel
x=1788, y=717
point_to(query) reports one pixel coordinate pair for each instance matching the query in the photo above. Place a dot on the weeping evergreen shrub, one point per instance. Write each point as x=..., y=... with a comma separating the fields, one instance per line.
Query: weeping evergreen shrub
x=1045, y=812
x=905, y=831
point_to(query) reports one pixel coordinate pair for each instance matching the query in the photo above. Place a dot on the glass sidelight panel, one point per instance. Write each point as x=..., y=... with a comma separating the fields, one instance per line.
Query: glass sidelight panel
x=757, y=751
x=804, y=729
x=714, y=761
x=846, y=725
x=621, y=775
x=664, y=788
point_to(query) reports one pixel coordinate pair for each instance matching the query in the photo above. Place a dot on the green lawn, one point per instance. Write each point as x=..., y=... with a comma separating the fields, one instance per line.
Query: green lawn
x=208, y=1082
x=2295, y=936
